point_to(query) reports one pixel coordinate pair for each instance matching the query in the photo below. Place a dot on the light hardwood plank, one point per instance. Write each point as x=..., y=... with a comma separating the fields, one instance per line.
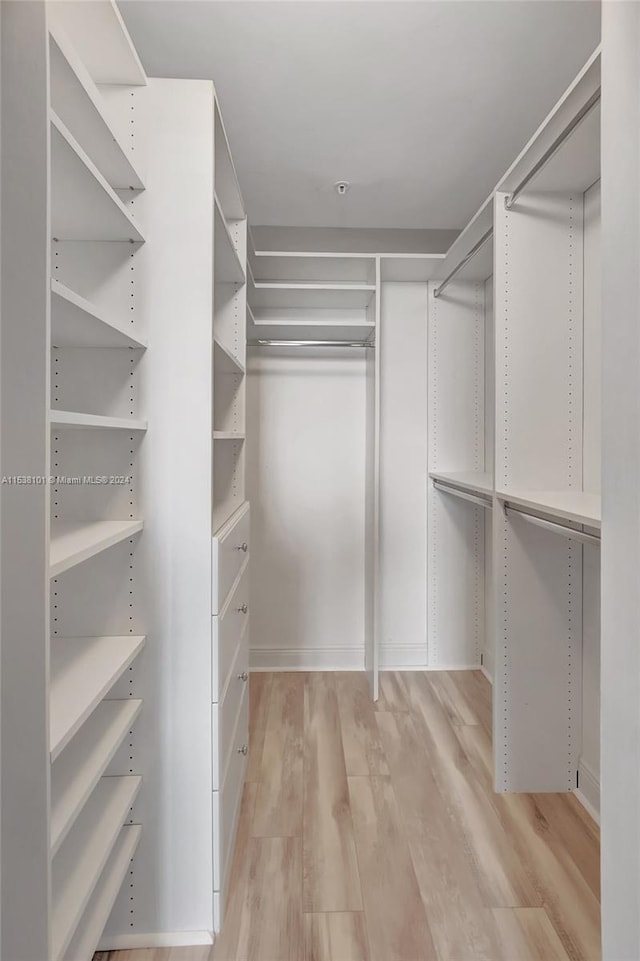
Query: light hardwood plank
x=460, y=924
x=452, y=699
x=571, y=905
x=336, y=936
x=260, y=694
x=503, y=879
x=268, y=923
x=278, y=810
x=331, y=880
x=477, y=692
x=526, y=934
x=396, y=919
x=391, y=695
x=363, y=753
x=574, y=828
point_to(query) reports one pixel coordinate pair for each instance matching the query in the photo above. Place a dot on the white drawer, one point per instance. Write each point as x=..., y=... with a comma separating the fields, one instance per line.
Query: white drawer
x=228, y=629
x=226, y=802
x=230, y=548
x=225, y=714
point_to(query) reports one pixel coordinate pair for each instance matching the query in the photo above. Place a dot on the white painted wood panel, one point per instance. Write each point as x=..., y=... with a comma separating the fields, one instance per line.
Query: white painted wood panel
x=403, y=476
x=306, y=485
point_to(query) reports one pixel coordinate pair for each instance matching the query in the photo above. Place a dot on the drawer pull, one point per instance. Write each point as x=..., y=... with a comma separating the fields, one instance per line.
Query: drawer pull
x=243, y=677
x=243, y=609
x=243, y=750
x=243, y=547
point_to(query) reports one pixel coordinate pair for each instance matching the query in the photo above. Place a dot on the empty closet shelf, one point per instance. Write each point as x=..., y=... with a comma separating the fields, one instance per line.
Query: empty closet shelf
x=227, y=435
x=76, y=322
x=90, y=928
x=472, y=481
x=86, y=115
x=80, y=766
x=579, y=507
x=83, y=205
x=312, y=295
x=78, y=865
x=75, y=542
x=228, y=266
x=73, y=419
x=225, y=361
x=83, y=670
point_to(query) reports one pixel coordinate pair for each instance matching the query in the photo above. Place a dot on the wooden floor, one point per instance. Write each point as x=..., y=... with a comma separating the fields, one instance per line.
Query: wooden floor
x=371, y=833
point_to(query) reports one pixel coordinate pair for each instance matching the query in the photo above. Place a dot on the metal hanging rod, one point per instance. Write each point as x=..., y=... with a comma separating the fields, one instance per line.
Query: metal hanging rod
x=473, y=498
x=307, y=343
x=463, y=263
x=554, y=526
x=511, y=198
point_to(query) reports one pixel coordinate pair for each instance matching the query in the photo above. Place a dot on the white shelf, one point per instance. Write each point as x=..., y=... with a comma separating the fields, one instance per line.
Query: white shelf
x=297, y=267
x=227, y=435
x=81, y=107
x=61, y=419
x=75, y=542
x=311, y=295
x=579, y=507
x=100, y=905
x=471, y=481
x=224, y=361
x=83, y=670
x=79, y=863
x=83, y=205
x=227, y=188
x=82, y=763
x=98, y=33
x=76, y=322
x=408, y=268
x=309, y=328
x=227, y=268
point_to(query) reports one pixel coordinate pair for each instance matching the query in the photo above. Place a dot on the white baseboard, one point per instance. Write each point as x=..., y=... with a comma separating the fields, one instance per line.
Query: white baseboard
x=403, y=657
x=308, y=659
x=589, y=791
x=158, y=939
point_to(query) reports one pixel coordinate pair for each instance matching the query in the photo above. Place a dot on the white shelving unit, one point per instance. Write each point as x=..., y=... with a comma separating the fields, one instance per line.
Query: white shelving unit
x=460, y=455
x=311, y=296
x=547, y=460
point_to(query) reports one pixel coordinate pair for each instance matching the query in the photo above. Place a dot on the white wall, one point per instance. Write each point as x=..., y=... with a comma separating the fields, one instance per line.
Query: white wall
x=403, y=477
x=306, y=482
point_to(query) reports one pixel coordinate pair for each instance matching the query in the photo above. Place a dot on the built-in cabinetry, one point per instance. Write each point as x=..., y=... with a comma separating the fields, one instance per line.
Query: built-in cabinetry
x=125, y=565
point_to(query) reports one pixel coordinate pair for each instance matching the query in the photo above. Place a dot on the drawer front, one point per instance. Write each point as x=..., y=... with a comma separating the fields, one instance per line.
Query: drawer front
x=230, y=548
x=225, y=714
x=227, y=800
x=228, y=630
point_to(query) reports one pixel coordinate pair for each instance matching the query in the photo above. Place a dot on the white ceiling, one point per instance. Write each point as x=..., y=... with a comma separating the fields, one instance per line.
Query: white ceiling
x=420, y=105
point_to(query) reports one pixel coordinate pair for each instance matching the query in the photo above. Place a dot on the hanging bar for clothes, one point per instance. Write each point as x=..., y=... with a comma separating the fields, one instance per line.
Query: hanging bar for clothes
x=511, y=198
x=307, y=343
x=555, y=526
x=465, y=495
x=465, y=260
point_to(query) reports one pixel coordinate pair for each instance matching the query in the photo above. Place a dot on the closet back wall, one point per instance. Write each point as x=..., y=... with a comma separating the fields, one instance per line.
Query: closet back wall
x=306, y=480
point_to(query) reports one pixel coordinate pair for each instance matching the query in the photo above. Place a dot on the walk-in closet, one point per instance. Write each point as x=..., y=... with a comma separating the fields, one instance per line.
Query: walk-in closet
x=320, y=463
